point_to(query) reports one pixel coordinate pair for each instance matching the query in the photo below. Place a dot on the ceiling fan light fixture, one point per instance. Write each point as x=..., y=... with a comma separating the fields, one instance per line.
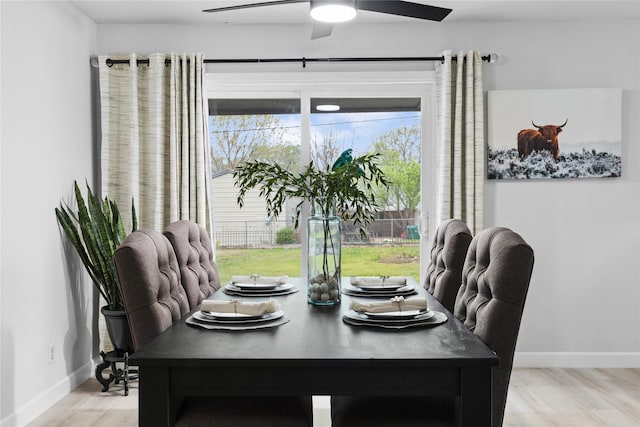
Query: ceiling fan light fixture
x=333, y=10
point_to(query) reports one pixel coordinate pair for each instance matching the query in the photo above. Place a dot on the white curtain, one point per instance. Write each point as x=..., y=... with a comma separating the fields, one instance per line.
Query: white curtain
x=460, y=139
x=155, y=144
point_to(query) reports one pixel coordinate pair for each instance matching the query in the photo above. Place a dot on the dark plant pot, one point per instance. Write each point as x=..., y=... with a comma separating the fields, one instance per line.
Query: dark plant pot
x=118, y=329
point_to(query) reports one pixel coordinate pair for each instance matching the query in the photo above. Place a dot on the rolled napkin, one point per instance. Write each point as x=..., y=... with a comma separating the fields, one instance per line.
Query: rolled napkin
x=394, y=304
x=381, y=281
x=240, y=307
x=262, y=280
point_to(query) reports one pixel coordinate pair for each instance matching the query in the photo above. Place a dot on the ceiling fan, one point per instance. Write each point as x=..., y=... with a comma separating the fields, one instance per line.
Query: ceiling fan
x=327, y=12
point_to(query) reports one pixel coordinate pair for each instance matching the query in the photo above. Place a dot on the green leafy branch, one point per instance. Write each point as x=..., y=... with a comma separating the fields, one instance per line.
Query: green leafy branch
x=348, y=185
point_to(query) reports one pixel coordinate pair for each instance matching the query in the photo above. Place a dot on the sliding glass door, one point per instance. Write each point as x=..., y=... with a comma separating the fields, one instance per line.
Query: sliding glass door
x=291, y=122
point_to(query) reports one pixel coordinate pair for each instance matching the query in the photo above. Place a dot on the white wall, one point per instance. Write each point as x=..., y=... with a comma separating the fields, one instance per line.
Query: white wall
x=584, y=302
x=47, y=143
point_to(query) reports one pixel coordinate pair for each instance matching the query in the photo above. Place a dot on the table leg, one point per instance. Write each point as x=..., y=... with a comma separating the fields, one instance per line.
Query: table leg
x=126, y=374
x=153, y=397
x=474, y=404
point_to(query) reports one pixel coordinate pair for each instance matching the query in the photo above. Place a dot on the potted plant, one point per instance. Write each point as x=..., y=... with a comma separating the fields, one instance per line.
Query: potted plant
x=344, y=191
x=96, y=231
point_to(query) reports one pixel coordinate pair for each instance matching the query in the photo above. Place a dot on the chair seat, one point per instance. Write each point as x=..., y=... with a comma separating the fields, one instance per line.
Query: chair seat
x=246, y=411
x=396, y=411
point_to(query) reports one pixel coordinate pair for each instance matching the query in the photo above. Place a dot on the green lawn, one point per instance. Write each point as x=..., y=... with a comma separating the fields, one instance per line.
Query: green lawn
x=356, y=261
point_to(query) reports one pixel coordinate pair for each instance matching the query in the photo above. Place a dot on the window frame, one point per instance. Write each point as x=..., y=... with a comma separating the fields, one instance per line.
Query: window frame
x=307, y=85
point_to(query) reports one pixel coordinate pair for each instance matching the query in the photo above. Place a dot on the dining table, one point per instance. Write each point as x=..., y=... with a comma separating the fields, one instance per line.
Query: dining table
x=316, y=353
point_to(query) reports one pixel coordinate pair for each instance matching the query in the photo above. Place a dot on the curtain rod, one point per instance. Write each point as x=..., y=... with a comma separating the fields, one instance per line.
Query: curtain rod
x=491, y=58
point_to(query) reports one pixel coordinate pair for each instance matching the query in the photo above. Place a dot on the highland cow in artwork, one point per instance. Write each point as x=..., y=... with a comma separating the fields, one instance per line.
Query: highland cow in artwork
x=541, y=138
x=576, y=133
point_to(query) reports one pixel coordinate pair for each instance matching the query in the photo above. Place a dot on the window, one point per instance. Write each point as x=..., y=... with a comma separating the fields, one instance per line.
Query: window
x=276, y=118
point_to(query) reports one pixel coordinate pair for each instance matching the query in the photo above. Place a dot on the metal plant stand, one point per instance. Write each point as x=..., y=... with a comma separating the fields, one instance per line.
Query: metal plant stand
x=116, y=375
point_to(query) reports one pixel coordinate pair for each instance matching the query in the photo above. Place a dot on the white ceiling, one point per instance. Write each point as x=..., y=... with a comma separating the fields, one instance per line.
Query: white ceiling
x=190, y=11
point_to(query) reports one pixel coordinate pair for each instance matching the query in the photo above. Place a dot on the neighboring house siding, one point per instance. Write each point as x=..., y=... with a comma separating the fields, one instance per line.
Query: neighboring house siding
x=225, y=205
x=241, y=227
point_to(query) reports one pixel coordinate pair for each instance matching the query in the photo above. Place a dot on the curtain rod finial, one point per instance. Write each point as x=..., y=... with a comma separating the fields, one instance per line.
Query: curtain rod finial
x=493, y=58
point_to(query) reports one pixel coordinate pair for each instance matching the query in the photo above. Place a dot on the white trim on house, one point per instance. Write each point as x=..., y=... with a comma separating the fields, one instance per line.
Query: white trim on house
x=253, y=84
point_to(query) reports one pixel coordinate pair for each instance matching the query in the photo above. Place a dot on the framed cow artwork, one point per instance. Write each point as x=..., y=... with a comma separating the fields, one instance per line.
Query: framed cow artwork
x=555, y=133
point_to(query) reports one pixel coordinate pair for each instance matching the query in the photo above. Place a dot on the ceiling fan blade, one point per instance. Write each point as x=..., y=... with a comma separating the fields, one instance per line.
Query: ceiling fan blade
x=251, y=5
x=404, y=8
x=321, y=29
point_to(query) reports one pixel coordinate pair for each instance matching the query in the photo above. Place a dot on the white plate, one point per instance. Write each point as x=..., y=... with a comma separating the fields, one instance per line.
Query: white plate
x=388, y=320
x=353, y=291
x=233, y=291
x=363, y=320
x=261, y=286
x=231, y=326
x=206, y=316
x=226, y=316
x=401, y=315
x=238, y=287
x=379, y=288
x=377, y=282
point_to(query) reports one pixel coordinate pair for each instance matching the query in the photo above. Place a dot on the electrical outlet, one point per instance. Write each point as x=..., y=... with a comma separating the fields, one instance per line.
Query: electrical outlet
x=52, y=354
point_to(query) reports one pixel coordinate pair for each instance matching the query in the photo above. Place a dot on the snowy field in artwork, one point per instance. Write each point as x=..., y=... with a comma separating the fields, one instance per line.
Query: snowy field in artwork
x=506, y=164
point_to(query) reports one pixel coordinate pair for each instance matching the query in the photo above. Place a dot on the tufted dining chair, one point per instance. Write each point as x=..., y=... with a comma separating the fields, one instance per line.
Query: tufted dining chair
x=194, y=253
x=154, y=298
x=149, y=278
x=490, y=302
x=448, y=251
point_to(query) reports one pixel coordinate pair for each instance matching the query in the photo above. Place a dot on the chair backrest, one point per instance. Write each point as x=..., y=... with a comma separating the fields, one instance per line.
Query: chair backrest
x=149, y=278
x=194, y=252
x=495, y=281
x=448, y=252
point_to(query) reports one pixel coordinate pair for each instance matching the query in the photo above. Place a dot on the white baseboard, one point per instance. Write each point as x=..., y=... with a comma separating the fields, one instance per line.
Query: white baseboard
x=576, y=360
x=31, y=410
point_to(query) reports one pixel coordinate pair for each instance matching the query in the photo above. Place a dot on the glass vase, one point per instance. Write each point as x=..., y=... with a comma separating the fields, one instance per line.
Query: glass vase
x=323, y=255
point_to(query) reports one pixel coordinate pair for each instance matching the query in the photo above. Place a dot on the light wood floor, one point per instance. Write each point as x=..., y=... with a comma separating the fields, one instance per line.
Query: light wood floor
x=537, y=397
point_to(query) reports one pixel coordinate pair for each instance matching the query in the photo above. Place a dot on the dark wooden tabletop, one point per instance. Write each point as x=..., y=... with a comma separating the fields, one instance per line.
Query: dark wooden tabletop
x=317, y=333
x=316, y=353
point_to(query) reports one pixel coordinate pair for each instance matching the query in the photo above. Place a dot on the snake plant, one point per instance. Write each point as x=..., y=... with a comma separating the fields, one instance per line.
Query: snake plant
x=95, y=231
